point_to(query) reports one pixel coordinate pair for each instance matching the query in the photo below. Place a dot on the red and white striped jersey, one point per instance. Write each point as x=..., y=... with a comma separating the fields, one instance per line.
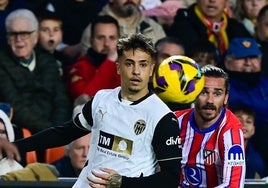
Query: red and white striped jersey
x=213, y=157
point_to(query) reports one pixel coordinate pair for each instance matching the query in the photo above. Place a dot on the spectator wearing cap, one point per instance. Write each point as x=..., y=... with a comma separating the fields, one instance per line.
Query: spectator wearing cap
x=248, y=86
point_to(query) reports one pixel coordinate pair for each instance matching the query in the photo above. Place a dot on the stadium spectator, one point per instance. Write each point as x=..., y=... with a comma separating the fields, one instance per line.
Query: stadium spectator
x=75, y=159
x=130, y=19
x=50, y=36
x=75, y=16
x=97, y=69
x=247, y=12
x=30, y=81
x=166, y=47
x=135, y=154
x=212, y=138
x=7, y=6
x=204, y=53
x=164, y=12
x=261, y=35
x=255, y=168
x=7, y=132
x=247, y=86
x=207, y=19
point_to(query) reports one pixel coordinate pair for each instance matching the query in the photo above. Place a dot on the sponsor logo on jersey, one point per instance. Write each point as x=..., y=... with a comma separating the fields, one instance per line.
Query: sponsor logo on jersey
x=173, y=141
x=101, y=113
x=193, y=176
x=115, y=143
x=209, y=156
x=235, y=156
x=139, y=127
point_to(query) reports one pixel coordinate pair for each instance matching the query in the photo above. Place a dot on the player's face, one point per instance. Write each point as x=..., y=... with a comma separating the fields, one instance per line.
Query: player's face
x=211, y=100
x=22, y=38
x=78, y=152
x=213, y=9
x=247, y=123
x=135, y=68
x=50, y=34
x=105, y=38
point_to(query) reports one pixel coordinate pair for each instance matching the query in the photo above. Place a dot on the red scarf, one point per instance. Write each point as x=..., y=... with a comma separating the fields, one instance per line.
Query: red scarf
x=216, y=30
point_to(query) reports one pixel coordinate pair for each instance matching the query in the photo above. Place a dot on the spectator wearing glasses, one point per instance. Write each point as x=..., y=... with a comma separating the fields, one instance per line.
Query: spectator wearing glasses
x=30, y=80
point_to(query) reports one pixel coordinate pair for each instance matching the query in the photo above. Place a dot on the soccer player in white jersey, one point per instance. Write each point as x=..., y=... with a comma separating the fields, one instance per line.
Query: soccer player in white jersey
x=135, y=137
x=212, y=138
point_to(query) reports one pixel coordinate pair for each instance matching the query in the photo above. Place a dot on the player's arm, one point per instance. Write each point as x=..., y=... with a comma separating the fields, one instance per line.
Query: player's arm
x=59, y=135
x=232, y=152
x=166, y=144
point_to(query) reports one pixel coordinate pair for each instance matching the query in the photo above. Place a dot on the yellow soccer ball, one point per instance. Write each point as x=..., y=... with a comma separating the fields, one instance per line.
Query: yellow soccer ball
x=178, y=79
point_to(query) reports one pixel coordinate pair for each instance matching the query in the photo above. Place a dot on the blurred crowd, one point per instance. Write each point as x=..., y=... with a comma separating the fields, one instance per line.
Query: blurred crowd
x=56, y=54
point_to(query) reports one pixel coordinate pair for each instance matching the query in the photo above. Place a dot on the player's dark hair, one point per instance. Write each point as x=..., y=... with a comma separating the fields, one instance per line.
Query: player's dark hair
x=136, y=41
x=212, y=71
x=104, y=19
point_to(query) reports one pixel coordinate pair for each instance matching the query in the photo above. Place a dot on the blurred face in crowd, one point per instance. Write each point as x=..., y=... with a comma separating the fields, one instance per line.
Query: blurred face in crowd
x=125, y=8
x=209, y=103
x=3, y=4
x=167, y=50
x=22, y=38
x=3, y=133
x=212, y=9
x=262, y=28
x=253, y=7
x=78, y=150
x=50, y=34
x=135, y=68
x=247, y=64
x=247, y=122
x=105, y=38
x=204, y=58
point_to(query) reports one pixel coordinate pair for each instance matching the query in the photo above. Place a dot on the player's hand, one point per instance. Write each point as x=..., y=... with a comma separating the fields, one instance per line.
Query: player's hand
x=109, y=178
x=9, y=150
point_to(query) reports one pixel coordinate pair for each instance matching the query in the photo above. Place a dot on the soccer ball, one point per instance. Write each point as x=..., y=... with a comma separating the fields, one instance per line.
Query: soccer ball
x=178, y=79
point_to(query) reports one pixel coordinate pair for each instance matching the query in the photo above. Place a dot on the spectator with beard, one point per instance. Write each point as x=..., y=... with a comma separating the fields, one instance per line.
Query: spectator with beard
x=130, y=19
x=248, y=86
x=97, y=68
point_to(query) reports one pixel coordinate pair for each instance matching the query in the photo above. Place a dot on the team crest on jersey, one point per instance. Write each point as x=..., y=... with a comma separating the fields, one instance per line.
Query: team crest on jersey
x=139, y=127
x=235, y=156
x=209, y=156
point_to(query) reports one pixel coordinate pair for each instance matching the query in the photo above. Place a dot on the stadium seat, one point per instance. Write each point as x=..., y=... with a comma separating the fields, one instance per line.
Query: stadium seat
x=31, y=156
x=53, y=154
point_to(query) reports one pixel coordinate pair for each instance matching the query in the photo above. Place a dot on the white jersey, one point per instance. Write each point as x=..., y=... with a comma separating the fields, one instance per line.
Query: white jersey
x=122, y=135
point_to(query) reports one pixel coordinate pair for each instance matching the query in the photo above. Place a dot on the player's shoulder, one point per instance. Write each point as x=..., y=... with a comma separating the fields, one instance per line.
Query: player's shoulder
x=180, y=113
x=232, y=122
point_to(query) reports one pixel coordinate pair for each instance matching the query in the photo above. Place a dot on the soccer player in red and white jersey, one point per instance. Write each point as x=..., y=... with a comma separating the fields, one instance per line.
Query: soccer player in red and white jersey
x=212, y=137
